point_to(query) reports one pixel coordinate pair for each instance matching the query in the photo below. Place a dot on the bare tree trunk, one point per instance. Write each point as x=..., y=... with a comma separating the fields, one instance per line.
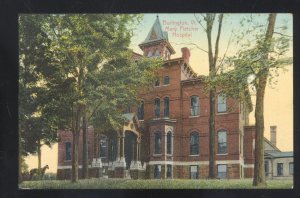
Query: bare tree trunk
x=39, y=154
x=259, y=168
x=20, y=158
x=212, y=58
x=39, y=158
x=76, y=133
x=85, y=147
x=212, y=150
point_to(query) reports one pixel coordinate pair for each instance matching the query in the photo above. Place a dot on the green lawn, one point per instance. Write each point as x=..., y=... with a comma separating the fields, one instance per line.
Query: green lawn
x=152, y=184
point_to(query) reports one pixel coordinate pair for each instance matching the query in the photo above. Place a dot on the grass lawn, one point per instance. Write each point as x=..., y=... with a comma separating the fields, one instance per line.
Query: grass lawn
x=153, y=184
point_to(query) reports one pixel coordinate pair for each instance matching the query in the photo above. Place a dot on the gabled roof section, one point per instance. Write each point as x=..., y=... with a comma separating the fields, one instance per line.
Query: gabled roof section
x=269, y=146
x=132, y=118
x=156, y=33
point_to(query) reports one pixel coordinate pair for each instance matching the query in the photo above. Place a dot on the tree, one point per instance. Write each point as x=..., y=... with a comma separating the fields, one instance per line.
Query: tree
x=34, y=130
x=212, y=59
x=87, y=72
x=256, y=65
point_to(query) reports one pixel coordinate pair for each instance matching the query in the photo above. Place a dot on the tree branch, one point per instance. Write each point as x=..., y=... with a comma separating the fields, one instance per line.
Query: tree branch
x=218, y=39
x=199, y=21
x=190, y=44
x=282, y=34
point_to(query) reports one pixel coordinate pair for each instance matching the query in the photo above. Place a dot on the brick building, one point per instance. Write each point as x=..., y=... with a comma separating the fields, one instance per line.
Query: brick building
x=167, y=135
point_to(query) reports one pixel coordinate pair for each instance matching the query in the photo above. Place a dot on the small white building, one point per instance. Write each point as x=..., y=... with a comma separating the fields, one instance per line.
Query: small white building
x=278, y=164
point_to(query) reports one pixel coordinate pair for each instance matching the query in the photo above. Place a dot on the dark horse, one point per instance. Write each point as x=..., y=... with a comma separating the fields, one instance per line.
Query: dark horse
x=37, y=171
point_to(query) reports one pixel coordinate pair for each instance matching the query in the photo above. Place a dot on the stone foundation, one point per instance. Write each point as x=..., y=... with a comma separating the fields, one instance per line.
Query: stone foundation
x=147, y=172
x=137, y=174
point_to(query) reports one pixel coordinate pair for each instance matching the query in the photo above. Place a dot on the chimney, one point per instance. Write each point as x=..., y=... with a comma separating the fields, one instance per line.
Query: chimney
x=273, y=134
x=186, y=54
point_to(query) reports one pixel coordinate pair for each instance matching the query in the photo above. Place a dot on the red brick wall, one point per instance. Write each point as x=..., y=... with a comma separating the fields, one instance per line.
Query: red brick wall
x=66, y=136
x=249, y=136
x=179, y=94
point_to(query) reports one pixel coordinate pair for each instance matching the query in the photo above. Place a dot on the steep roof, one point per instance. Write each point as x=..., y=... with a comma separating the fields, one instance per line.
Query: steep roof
x=269, y=146
x=128, y=116
x=156, y=33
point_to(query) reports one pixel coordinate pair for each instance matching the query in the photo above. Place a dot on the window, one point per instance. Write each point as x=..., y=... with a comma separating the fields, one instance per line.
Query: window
x=222, y=142
x=150, y=54
x=194, y=144
x=68, y=151
x=169, y=171
x=157, y=53
x=266, y=167
x=156, y=84
x=166, y=55
x=279, y=169
x=157, y=142
x=166, y=107
x=194, y=172
x=157, y=108
x=157, y=171
x=103, y=146
x=113, y=148
x=141, y=111
x=169, y=142
x=291, y=168
x=166, y=80
x=195, y=109
x=222, y=107
x=222, y=171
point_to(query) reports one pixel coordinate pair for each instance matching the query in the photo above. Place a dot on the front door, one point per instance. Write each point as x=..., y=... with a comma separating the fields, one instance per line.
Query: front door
x=130, y=140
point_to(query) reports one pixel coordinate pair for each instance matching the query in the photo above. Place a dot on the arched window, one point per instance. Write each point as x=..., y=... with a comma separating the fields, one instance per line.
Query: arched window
x=103, y=146
x=166, y=80
x=222, y=142
x=68, y=151
x=195, y=106
x=141, y=111
x=222, y=106
x=169, y=142
x=157, y=108
x=166, y=107
x=157, y=143
x=194, y=143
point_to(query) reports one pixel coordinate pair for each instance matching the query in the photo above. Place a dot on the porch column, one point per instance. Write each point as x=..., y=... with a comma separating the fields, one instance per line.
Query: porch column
x=133, y=152
x=123, y=143
x=137, y=150
x=119, y=144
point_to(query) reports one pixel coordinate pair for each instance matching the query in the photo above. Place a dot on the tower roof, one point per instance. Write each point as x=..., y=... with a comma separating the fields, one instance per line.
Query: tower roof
x=156, y=33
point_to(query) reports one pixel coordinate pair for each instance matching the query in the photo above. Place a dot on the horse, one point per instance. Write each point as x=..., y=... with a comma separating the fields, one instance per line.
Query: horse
x=37, y=171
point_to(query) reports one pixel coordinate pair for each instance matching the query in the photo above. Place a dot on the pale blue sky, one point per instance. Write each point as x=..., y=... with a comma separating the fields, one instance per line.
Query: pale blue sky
x=199, y=62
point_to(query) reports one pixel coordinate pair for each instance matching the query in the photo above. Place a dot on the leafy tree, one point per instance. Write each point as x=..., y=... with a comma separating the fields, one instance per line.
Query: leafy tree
x=32, y=133
x=254, y=66
x=88, y=72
